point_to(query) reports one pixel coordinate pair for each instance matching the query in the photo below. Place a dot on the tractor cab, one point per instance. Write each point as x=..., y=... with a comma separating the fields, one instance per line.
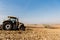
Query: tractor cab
x=13, y=19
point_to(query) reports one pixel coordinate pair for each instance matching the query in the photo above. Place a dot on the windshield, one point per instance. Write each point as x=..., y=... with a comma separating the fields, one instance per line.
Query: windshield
x=12, y=19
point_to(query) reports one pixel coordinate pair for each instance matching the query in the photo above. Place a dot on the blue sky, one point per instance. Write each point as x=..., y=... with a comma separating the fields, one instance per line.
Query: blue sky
x=31, y=11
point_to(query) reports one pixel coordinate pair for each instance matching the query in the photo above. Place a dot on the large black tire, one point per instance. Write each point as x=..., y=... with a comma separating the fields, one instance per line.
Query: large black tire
x=22, y=27
x=7, y=26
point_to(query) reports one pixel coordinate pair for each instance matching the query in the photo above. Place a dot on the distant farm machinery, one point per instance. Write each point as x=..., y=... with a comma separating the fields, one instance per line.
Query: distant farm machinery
x=12, y=23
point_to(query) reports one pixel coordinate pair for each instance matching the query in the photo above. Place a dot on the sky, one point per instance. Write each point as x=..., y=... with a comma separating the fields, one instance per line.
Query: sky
x=31, y=11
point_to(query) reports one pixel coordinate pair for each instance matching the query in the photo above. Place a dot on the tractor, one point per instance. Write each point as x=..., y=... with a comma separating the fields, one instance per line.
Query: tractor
x=12, y=23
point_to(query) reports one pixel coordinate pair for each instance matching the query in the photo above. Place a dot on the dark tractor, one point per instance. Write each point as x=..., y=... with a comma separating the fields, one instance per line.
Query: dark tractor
x=13, y=24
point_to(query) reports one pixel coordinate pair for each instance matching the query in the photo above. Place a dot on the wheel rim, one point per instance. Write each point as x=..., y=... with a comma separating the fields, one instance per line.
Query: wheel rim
x=8, y=26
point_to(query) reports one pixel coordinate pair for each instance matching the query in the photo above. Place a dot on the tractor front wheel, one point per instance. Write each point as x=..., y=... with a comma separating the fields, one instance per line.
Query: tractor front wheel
x=22, y=27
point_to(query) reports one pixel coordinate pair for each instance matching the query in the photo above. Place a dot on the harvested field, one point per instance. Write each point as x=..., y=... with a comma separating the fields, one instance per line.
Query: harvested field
x=31, y=34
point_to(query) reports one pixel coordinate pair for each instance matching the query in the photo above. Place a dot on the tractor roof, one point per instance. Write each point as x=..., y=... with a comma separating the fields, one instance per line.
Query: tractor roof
x=12, y=17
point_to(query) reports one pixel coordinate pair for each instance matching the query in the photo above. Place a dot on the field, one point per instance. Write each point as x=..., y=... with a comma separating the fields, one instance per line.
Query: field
x=31, y=33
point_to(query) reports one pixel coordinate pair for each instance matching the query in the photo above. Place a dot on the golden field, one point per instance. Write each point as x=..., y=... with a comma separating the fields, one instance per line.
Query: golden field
x=32, y=33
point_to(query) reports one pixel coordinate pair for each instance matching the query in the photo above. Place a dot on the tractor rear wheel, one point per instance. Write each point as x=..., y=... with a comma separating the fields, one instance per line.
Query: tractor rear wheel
x=7, y=26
